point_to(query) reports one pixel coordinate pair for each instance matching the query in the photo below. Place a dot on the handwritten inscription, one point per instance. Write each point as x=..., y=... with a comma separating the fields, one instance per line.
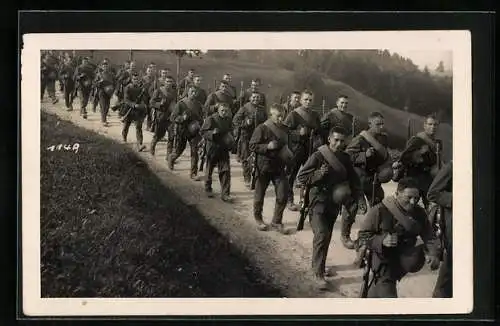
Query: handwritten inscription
x=64, y=147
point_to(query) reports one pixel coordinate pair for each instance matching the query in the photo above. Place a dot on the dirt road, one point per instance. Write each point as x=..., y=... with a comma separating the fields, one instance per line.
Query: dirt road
x=285, y=259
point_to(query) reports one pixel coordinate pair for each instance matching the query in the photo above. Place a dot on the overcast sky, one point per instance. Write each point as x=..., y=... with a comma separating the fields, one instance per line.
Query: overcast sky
x=427, y=58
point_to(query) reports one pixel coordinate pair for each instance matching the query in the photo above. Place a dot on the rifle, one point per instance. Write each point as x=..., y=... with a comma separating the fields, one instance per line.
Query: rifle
x=305, y=201
x=131, y=107
x=438, y=221
x=254, y=165
x=238, y=131
x=366, y=253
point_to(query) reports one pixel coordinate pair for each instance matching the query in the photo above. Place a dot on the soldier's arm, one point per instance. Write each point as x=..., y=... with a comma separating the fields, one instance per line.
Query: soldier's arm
x=258, y=143
x=412, y=145
x=207, y=129
x=368, y=230
x=438, y=192
x=356, y=152
x=238, y=117
x=354, y=181
x=155, y=100
x=176, y=115
x=127, y=98
x=309, y=173
x=427, y=233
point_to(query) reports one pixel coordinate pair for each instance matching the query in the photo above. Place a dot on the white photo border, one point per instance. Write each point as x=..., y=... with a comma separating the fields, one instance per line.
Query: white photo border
x=459, y=42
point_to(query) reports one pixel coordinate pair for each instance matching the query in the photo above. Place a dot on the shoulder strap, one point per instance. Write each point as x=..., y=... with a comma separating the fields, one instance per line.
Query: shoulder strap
x=390, y=204
x=427, y=140
x=306, y=116
x=332, y=159
x=375, y=143
x=280, y=134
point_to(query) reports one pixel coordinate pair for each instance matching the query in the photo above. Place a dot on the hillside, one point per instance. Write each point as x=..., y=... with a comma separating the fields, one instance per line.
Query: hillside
x=277, y=81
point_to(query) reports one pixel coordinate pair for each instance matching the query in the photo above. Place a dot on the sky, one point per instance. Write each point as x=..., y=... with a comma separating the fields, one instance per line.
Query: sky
x=427, y=58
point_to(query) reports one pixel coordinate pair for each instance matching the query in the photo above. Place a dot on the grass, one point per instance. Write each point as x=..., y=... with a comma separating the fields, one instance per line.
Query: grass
x=110, y=228
x=278, y=81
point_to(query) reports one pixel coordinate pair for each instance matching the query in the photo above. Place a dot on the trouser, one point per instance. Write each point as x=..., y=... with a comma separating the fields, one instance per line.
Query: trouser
x=182, y=141
x=245, y=157
x=149, y=117
x=444, y=282
x=299, y=159
x=49, y=85
x=170, y=138
x=84, y=98
x=96, y=98
x=69, y=87
x=160, y=129
x=323, y=217
x=138, y=121
x=387, y=275
x=104, y=102
x=224, y=169
x=280, y=183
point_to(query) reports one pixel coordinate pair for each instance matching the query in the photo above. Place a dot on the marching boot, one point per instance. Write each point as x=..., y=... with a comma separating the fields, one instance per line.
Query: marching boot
x=257, y=214
x=345, y=236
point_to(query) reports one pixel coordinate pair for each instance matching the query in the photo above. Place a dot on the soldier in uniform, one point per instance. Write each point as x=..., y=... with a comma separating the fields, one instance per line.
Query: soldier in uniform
x=163, y=101
x=373, y=164
x=66, y=74
x=188, y=118
x=201, y=94
x=217, y=131
x=338, y=116
x=248, y=117
x=136, y=109
x=231, y=90
x=124, y=78
x=269, y=141
x=85, y=74
x=333, y=182
x=95, y=89
x=292, y=103
x=105, y=85
x=150, y=82
x=390, y=230
x=441, y=193
x=304, y=124
x=254, y=88
x=220, y=96
x=48, y=77
x=186, y=81
x=419, y=159
x=163, y=77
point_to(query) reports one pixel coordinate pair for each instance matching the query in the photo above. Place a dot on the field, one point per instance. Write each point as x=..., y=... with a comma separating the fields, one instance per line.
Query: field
x=277, y=82
x=110, y=228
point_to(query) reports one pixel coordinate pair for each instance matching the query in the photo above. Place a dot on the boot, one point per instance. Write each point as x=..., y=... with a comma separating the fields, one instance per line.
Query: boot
x=345, y=236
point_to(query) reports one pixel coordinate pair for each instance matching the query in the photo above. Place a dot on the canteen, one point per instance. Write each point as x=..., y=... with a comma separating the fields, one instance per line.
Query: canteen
x=385, y=173
x=109, y=89
x=228, y=140
x=412, y=259
x=341, y=193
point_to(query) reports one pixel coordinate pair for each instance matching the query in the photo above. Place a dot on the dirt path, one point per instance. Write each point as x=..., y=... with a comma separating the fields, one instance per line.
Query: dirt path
x=285, y=259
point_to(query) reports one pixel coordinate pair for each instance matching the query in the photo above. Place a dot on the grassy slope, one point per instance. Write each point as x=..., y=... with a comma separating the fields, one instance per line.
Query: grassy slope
x=109, y=228
x=277, y=81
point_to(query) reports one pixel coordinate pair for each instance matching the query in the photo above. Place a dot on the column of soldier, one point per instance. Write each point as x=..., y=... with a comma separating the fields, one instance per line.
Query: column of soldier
x=335, y=168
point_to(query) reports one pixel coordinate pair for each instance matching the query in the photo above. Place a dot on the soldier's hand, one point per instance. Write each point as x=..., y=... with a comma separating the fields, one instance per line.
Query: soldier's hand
x=215, y=131
x=303, y=131
x=184, y=116
x=370, y=152
x=433, y=262
x=248, y=122
x=272, y=145
x=397, y=165
x=323, y=170
x=390, y=240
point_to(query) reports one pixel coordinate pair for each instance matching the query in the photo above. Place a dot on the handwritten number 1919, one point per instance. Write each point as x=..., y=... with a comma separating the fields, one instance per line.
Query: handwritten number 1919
x=65, y=147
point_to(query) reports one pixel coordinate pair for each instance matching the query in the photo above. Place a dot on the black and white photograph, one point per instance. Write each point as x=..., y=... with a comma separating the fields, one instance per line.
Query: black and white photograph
x=247, y=173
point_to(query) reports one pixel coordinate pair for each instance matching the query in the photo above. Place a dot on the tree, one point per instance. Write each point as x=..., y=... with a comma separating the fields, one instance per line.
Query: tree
x=440, y=67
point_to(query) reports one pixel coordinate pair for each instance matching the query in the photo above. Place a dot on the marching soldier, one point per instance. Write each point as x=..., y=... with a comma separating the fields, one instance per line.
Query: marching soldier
x=105, y=86
x=254, y=88
x=220, y=96
x=85, y=74
x=269, y=141
x=419, y=159
x=248, y=117
x=163, y=77
x=217, y=131
x=332, y=181
x=292, y=103
x=304, y=124
x=390, y=230
x=48, y=77
x=231, y=89
x=339, y=117
x=188, y=118
x=186, y=81
x=95, y=88
x=201, y=94
x=163, y=101
x=124, y=78
x=441, y=193
x=135, y=109
x=150, y=82
x=67, y=73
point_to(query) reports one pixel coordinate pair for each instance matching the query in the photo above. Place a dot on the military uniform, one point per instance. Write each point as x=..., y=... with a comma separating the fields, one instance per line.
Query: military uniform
x=246, y=120
x=48, y=78
x=151, y=84
x=322, y=206
x=214, y=99
x=366, y=168
x=134, y=95
x=185, y=83
x=163, y=101
x=301, y=146
x=391, y=264
x=218, y=150
x=194, y=112
x=441, y=193
x=271, y=168
x=84, y=78
x=66, y=74
x=419, y=161
x=201, y=94
x=337, y=118
x=245, y=97
x=288, y=107
x=105, y=86
x=123, y=79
